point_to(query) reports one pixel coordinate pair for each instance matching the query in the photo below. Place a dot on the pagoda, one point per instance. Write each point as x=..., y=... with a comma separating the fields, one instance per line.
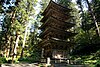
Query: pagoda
x=55, y=32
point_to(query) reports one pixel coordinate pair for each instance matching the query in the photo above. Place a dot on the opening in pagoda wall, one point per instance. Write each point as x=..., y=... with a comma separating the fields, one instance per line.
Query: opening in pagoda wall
x=59, y=54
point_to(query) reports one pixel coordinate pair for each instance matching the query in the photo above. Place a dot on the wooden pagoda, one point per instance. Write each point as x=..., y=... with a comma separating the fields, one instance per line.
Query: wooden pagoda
x=54, y=36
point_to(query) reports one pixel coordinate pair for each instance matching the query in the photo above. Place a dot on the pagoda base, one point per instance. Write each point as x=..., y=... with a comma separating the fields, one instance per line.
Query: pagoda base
x=56, y=56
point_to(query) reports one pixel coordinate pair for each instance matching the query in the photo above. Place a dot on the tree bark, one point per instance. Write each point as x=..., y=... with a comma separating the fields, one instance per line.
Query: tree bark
x=10, y=51
x=17, y=40
x=94, y=19
x=24, y=42
x=13, y=53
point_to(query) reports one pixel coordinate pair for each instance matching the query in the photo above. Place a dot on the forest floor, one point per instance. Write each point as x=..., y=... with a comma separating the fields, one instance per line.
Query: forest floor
x=38, y=65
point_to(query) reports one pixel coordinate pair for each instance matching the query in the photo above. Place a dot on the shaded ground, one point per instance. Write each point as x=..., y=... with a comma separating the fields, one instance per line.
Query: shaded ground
x=37, y=65
x=20, y=65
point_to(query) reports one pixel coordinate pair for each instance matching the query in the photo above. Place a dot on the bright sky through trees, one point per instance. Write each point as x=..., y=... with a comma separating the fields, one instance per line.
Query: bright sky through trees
x=84, y=4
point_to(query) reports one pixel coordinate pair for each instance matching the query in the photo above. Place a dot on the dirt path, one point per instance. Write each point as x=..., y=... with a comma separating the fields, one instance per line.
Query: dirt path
x=20, y=65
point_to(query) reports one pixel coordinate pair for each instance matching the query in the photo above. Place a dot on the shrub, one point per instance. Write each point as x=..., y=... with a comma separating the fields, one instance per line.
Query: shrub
x=97, y=63
x=3, y=60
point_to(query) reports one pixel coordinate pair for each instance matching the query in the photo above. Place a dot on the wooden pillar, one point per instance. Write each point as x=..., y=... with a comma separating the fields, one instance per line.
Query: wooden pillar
x=42, y=53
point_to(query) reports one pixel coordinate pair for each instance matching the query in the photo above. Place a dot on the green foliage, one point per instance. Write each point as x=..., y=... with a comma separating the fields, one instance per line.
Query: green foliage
x=64, y=3
x=24, y=59
x=87, y=35
x=97, y=63
x=31, y=59
x=44, y=4
x=3, y=60
x=14, y=25
x=96, y=7
x=41, y=65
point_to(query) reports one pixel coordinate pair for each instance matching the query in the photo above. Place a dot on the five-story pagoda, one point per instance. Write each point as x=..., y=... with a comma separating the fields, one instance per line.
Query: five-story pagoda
x=55, y=31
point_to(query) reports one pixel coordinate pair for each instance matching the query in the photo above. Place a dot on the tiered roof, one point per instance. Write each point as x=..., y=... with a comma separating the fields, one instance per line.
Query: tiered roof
x=56, y=7
x=57, y=15
x=56, y=44
x=57, y=33
x=51, y=21
x=54, y=22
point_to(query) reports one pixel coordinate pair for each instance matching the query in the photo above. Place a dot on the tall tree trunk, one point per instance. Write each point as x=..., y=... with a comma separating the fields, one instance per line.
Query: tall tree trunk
x=6, y=45
x=15, y=48
x=11, y=42
x=17, y=40
x=94, y=18
x=13, y=53
x=24, y=42
x=84, y=22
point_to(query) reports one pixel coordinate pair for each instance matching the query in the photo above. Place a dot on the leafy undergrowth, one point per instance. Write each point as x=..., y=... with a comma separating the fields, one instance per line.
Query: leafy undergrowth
x=19, y=60
x=3, y=60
